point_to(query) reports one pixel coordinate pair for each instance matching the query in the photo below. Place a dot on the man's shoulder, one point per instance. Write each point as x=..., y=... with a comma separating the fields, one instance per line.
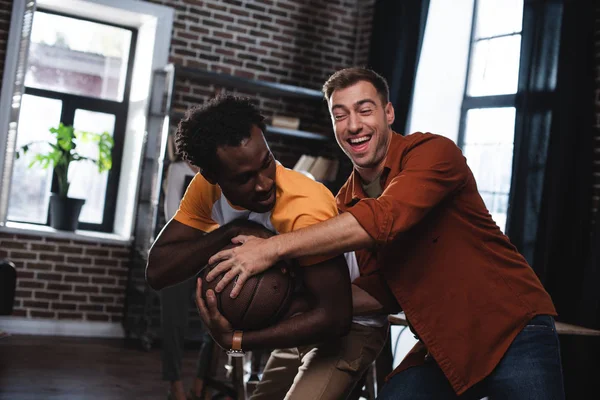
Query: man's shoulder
x=416, y=138
x=293, y=184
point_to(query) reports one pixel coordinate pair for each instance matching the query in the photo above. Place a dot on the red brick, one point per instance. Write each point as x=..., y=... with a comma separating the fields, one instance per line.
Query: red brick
x=35, y=304
x=46, y=295
x=64, y=306
x=13, y=245
x=97, y=252
x=66, y=268
x=43, y=247
x=61, y=287
x=79, y=260
x=41, y=314
x=23, y=256
x=105, y=261
x=22, y=294
x=47, y=276
x=77, y=278
x=38, y=266
x=97, y=317
x=30, y=284
x=19, y=313
x=86, y=289
x=90, y=307
x=73, y=297
x=70, y=315
x=101, y=299
x=104, y=280
x=52, y=257
x=70, y=250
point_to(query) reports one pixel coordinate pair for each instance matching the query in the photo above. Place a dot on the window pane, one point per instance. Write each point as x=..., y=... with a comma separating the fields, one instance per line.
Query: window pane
x=30, y=187
x=498, y=17
x=79, y=57
x=495, y=66
x=488, y=147
x=86, y=182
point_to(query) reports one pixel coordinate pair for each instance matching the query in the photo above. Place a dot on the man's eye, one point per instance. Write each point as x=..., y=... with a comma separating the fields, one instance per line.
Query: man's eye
x=339, y=117
x=366, y=111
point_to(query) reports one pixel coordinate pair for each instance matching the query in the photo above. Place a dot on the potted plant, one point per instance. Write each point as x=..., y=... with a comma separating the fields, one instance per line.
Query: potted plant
x=59, y=154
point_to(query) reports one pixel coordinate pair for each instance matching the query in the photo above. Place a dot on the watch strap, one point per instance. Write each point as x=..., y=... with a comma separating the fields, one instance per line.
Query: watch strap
x=236, y=342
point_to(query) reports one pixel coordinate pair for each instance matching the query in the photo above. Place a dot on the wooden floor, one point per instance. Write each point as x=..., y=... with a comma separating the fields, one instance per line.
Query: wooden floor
x=53, y=368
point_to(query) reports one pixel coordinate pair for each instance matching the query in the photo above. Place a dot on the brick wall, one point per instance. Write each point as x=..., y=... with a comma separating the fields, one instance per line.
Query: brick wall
x=297, y=42
x=67, y=279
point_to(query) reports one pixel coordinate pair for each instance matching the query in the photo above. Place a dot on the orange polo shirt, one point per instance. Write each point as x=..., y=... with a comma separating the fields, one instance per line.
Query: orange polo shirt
x=463, y=286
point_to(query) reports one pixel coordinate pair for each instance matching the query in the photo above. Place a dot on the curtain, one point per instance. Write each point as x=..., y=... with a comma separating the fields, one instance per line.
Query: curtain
x=396, y=40
x=563, y=117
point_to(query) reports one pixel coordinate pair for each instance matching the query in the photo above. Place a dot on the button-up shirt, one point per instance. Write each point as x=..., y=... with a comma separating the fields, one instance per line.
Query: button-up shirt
x=439, y=255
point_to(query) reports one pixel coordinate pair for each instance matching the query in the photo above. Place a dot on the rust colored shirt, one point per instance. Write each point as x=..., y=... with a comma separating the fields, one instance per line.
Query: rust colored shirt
x=463, y=286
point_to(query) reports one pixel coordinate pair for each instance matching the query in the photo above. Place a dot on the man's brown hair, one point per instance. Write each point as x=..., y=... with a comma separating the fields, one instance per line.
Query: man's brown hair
x=349, y=76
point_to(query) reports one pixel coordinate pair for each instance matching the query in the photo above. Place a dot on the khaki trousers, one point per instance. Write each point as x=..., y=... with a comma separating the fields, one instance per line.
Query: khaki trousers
x=326, y=371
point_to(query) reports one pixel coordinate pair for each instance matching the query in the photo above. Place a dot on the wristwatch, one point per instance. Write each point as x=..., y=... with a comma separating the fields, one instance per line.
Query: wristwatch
x=236, y=345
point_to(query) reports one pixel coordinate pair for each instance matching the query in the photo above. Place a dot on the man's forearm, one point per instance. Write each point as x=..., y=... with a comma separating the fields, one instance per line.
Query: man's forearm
x=177, y=258
x=306, y=328
x=334, y=236
x=363, y=303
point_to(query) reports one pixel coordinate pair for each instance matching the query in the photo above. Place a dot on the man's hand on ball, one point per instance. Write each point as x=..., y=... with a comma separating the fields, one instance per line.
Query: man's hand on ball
x=220, y=329
x=254, y=256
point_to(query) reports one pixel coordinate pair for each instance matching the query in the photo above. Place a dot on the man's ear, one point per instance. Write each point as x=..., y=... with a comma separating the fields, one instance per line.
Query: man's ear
x=209, y=176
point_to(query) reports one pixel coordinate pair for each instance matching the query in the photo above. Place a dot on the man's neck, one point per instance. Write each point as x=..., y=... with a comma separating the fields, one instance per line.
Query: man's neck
x=368, y=175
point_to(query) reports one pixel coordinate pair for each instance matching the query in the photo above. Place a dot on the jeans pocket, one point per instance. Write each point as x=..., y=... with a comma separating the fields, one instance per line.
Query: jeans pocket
x=540, y=323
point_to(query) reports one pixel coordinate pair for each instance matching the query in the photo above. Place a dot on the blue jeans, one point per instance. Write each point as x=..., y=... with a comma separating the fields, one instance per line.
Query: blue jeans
x=530, y=370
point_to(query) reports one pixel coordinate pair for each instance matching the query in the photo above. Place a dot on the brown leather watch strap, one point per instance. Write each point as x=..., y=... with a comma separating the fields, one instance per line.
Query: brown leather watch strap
x=236, y=342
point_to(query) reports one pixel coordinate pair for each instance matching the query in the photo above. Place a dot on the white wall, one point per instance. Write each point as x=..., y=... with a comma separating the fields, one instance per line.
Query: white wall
x=441, y=73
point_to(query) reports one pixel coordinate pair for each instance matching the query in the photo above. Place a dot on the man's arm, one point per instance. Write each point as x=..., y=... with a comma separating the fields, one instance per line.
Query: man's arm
x=329, y=316
x=364, y=304
x=431, y=171
x=180, y=251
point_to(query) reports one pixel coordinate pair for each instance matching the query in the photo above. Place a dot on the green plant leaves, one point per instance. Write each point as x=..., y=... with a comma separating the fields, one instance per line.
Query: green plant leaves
x=61, y=152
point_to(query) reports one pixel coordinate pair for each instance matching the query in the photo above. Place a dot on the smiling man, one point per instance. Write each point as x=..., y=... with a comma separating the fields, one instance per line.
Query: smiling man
x=321, y=350
x=412, y=212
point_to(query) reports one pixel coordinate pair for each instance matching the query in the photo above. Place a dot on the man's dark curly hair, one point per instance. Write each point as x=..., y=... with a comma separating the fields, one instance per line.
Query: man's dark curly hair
x=222, y=121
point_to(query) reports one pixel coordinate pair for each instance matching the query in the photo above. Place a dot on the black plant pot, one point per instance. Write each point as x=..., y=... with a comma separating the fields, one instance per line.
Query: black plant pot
x=64, y=212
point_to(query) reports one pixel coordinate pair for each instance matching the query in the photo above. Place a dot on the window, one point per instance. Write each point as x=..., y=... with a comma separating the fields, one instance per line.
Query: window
x=487, y=126
x=78, y=73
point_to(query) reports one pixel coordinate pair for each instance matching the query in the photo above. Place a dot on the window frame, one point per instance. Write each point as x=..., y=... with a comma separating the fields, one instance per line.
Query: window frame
x=483, y=102
x=72, y=102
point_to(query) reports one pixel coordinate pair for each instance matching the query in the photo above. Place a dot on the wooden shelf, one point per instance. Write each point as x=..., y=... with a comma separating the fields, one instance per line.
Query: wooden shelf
x=176, y=116
x=226, y=80
x=297, y=133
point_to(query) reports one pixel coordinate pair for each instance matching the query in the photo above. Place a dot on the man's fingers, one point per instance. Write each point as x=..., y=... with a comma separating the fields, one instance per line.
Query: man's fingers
x=211, y=301
x=220, y=256
x=240, y=239
x=239, y=283
x=218, y=270
x=198, y=289
x=228, y=277
x=200, y=303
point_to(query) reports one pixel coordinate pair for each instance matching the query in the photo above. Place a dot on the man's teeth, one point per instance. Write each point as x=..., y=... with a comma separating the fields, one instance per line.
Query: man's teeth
x=359, y=140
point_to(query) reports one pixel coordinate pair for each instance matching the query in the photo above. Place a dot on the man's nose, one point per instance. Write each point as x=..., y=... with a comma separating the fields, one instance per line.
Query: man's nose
x=263, y=183
x=354, y=124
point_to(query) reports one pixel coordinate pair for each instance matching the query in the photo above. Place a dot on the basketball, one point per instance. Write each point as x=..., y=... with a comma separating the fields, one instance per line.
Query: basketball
x=264, y=298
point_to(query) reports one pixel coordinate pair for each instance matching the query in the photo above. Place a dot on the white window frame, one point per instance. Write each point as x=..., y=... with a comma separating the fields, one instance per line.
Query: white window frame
x=154, y=24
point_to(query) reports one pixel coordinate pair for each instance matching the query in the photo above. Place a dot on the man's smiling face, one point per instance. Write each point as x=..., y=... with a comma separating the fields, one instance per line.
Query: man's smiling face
x=361, y=122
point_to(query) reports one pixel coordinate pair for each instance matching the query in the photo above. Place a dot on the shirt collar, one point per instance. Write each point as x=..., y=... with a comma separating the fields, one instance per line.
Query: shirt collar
x=357, y=192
